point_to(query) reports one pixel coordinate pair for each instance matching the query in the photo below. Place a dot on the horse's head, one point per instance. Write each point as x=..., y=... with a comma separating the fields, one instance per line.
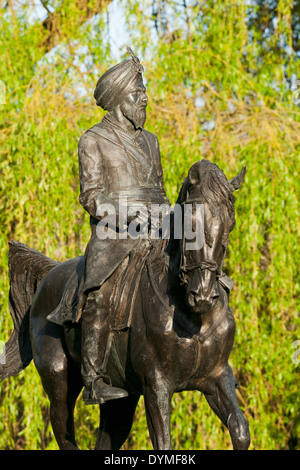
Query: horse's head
x=210, y=194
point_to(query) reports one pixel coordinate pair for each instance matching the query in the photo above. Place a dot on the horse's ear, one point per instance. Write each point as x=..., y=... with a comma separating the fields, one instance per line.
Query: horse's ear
x=194, y=175
x=238, y=179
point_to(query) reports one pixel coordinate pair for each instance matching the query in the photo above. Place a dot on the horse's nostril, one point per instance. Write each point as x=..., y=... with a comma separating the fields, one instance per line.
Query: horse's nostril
x=198, y=297
x=191, y=300
x=195, y=296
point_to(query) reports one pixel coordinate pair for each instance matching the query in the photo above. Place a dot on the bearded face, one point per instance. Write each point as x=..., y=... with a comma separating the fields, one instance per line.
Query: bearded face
x=135, y=114
x=134, y=102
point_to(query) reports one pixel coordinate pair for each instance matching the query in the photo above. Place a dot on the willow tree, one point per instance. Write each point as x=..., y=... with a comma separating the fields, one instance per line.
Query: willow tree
x=219, y=80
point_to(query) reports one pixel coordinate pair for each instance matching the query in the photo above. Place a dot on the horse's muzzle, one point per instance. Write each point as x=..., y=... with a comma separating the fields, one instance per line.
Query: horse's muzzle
x=200, y=303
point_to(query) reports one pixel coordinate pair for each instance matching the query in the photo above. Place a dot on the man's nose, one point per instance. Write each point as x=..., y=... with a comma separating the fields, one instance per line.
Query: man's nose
x=144, y=99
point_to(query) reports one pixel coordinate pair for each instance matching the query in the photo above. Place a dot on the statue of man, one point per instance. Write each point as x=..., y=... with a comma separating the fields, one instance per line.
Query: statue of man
x=117, y=159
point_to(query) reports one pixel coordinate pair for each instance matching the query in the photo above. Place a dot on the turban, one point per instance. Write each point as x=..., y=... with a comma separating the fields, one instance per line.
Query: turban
x=115, y=81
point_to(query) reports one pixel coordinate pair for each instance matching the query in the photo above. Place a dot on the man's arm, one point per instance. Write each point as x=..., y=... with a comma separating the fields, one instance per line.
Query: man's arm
x=93, y=187
x=91, y=173
x=160, y=171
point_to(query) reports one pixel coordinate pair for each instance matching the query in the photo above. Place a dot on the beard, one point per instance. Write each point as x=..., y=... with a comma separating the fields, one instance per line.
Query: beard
x=135, y=114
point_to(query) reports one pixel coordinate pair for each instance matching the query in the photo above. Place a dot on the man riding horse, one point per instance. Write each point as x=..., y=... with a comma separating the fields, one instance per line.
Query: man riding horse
x=117, y=159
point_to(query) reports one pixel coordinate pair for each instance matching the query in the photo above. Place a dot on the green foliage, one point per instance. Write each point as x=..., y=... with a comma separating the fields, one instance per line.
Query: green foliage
x=219, y=88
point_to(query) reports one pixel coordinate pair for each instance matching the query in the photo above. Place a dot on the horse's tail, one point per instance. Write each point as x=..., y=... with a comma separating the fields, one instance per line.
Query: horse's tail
x=27, y=267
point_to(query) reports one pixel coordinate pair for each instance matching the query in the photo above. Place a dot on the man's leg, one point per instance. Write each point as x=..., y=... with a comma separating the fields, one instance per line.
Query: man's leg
x=96, y=342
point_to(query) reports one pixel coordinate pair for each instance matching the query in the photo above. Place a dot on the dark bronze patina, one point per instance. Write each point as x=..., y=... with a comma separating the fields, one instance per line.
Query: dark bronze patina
x=132, y=316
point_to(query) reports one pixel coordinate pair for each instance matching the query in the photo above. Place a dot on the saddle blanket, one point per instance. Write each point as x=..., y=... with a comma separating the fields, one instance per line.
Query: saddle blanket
x=124, y=290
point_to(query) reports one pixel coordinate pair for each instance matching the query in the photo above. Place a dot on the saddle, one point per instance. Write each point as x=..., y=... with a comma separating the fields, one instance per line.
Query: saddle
x=124, y=290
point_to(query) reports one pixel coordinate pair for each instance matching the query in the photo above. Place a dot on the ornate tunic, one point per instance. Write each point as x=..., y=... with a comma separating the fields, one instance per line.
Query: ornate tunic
x=113, y=164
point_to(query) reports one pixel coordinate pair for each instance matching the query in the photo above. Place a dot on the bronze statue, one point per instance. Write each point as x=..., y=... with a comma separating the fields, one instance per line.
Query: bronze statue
x=136, y=315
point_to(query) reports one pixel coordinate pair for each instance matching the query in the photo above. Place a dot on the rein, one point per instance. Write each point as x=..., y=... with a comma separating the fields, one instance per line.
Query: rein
x=201, y=337
x=211, y=265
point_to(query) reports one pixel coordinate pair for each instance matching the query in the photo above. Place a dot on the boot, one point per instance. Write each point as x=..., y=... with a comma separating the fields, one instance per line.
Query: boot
x=96, y=344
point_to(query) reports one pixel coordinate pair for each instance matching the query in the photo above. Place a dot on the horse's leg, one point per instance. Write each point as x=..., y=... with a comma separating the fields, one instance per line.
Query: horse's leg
x=60, y=378
x=222, y=399
x=63, y=391
x=157, y=396
x=116, y=417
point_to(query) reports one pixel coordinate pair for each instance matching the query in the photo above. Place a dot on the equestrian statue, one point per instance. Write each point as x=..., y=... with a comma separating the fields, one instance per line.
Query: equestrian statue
x=140, y=313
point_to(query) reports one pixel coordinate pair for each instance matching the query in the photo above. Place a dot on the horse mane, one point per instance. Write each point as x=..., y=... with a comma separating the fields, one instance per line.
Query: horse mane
x=212, y=187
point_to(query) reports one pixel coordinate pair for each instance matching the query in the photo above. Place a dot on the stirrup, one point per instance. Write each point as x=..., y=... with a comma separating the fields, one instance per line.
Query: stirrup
x=106, y=392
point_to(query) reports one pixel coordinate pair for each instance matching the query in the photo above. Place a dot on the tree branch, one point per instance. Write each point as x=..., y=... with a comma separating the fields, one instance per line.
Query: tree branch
x=45, y=6
x=54, y=21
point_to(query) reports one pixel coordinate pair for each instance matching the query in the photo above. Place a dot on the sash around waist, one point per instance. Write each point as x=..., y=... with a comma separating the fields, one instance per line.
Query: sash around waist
x=145, y=195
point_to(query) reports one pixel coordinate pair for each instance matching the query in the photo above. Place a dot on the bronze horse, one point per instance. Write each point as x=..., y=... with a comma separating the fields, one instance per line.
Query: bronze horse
x=180, y=338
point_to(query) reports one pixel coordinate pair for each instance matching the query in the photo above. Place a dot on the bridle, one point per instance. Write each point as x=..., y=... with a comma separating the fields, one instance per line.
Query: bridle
x=211, y=265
